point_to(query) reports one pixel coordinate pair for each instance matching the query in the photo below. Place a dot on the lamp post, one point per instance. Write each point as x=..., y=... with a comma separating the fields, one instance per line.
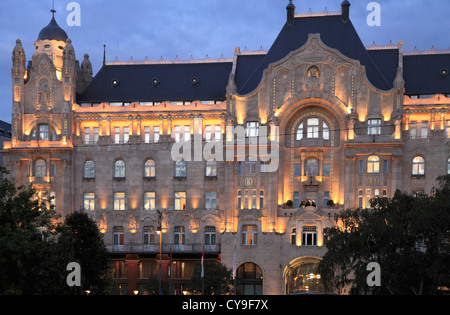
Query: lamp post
x=159, y=232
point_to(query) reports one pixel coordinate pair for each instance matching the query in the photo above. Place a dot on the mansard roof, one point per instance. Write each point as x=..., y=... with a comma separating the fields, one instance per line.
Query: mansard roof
x=334, y=32
x=194, y=81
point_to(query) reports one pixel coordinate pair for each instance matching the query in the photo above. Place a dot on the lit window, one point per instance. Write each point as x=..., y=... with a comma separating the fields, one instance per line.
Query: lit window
x=418, y=166
x=118, y=238
x=146, y=134
x=96, y=132
x=373, y=164
x=309, y=235
x=150, y=169
x=149, y=235
x=249, y=235
x=313, y=128
x=126, y=134
x=211, y=201
x=40, y=169
x=312, y=167
x=119, y=201
x=180, y=200
x=326, y=131
x=360, y=198
x=293, y=236
x=116, y=135
x=156, y=134
x=447, y=129
x=254, y=197
x=119, y=169
x=261, y=199
x=374, y=126
x=89, y=169
x=87, y=135
x=149, y=201
x=424, y=129
x=180, y=168
x=89, y=201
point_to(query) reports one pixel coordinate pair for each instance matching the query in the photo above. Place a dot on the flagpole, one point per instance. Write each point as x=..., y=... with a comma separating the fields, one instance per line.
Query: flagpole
x=234, y=268
x=170, y=271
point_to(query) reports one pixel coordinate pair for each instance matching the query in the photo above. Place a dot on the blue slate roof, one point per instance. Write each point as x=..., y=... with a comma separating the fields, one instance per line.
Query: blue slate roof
x=175, y=83
x=52, y=32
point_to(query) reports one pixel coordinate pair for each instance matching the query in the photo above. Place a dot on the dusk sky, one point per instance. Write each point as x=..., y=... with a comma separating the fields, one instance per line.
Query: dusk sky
x=151, y=28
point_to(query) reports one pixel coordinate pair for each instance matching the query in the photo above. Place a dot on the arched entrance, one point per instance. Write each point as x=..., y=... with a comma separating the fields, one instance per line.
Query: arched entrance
x=249, y=279
x=301, y=277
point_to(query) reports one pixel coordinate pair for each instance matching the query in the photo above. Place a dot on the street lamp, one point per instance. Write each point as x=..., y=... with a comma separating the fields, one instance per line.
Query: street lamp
x=159, y=232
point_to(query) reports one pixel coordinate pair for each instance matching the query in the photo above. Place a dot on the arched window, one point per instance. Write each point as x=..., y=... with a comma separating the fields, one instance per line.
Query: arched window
x=119, y=169
x=373, y=164
x=418, y=166
x=180, y=168
x=40, y=168
x=89, y=169
x=150, y=169
x=325, y=131
x=211, y=168
x=249, y=279
x=304, y=278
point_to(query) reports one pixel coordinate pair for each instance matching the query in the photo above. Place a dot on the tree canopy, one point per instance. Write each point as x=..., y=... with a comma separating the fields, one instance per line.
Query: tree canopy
x=408, y=236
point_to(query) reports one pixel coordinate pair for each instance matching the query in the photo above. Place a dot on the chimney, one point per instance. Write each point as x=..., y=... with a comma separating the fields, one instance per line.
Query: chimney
x=345, y=10
x=290, y=12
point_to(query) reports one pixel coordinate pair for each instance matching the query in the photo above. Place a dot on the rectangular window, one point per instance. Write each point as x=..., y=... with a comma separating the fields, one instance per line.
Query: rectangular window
x=413, y=129
x=312, y=131
x=156, y=134
x=374, y=126
x=360, y=198
x=44, y=132
x=87, y=135
x=239, y=199
x=250, y=167
x=180, y=200
x=326, y=169
x=211, y=201
x=149, y=201
x=126, y=134
x=118, y=238
x=89, y=201
x=146, y=134
x=326, y=198
x=309, y=235
x=210, y=235
x=424, y=129
x=360, y=166
x=252, y=128
x=447, y=129
x=296, y=203
x=179, y=233
x=298, y=170
x=385, y=166
x=261, y=199
x=187, y=133
x=254, y=197
x=96, y=133
x=119, y=201
x=207, y=133
x=116, y=135
x=249, y=235
x=246, y=204
x=149, y=236
x=217, y=133
x=368, y=197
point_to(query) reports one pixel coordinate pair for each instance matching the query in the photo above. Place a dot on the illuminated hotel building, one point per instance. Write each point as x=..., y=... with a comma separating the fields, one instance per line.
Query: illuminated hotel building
x=354, y=122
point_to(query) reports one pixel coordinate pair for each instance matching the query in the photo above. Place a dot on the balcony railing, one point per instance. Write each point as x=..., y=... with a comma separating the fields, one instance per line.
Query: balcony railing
x=165, y=248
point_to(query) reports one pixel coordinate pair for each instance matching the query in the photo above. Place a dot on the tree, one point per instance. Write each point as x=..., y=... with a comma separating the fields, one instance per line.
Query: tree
x=407, y=236
x=81, y=239
x=218, y=279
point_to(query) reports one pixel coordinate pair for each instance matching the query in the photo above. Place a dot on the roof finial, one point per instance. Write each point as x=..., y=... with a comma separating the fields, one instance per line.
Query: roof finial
x=53, y=8
x=290, y=12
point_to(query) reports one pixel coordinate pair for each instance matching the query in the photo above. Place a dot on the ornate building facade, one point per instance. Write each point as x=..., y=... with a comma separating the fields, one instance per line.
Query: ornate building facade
x=347, y=123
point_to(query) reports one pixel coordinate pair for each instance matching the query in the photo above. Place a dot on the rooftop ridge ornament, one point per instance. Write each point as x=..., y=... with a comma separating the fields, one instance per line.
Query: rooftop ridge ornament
x=310, y=13
x=162, y=61
x=374, y=46
x=432, y=51
x=260, y=51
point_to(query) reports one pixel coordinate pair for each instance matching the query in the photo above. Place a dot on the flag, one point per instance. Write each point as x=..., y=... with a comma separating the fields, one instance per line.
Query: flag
x=170, y=263
x=203, y=265
x=234, y=263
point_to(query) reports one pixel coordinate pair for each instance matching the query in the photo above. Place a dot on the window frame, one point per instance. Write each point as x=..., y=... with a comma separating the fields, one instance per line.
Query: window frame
x=249, y=235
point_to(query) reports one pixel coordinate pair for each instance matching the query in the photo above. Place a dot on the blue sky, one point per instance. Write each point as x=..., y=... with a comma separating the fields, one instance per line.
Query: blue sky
x=155, y=28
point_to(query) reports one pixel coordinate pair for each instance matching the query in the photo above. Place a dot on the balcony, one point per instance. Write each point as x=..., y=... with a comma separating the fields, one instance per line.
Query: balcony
x=166, y=248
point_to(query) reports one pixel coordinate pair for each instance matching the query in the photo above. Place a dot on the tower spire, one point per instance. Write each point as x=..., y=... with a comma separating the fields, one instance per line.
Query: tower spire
x=53, y=8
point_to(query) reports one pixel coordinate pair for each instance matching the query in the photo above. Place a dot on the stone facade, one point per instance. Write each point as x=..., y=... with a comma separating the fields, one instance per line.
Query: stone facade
x=337, y=136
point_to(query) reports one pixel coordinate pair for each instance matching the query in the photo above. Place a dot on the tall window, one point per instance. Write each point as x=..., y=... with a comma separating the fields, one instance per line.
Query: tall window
x=447, y=129
x=180, y=168
x=96, y=132
x=180, y=200
x=119, y=169
x=126, y=134
x=249, y=235
x=40, y=168
x=448, y=166
x=179, y=235
x=44, y=132
x=374, y=126
x=418, y=129
x=299, y=134
x=149, y=236
x=312, y=167
x=293, y=236
x=326, y=131
x=89, y=201
x=118, y=238
x=373, y=164
x=239, y=199
x=211, y=201
x=87, y=135
x=119, y=201
x=360, y=198
x=211, y=168
x=149, y=201
x=149, y=169
x=182, y=133
x=156, y=134
x=210, y=235
x=309, y=235
x=89, y=169
x=313, y=128
x=418, y=166
x=261, y=199
x=116, y=135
